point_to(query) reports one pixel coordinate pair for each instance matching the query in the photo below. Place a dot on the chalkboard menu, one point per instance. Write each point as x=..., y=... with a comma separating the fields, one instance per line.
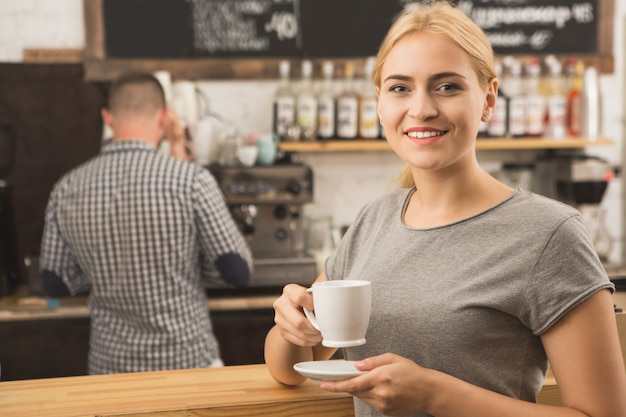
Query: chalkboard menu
x=329, y=28
x=537, y=26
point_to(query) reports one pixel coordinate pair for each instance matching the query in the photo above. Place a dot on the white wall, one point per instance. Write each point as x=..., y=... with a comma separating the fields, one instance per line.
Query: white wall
x=39, y=24
x=343, y=181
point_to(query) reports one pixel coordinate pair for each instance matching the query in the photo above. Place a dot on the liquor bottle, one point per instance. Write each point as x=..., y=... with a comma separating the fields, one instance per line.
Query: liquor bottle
x=326, y=104
x=348, y=106
x=553, y=87
x=306, y=103
x=498, y=126
x=369, y=125
x=570, y=67
x=573, y=100
x=535, y=112
x=284, y=103
x=590, y=105
x=512, y=84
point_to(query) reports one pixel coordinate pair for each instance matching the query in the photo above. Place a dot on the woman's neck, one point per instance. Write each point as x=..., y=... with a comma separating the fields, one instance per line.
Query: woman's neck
x=444, y=199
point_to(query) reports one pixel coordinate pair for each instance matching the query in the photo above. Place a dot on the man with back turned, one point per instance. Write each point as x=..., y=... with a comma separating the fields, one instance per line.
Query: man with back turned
x=139, y=231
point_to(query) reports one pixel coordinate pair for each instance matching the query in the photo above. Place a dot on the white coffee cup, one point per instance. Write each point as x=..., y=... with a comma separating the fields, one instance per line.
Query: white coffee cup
x=247, y=154
x=342, y=311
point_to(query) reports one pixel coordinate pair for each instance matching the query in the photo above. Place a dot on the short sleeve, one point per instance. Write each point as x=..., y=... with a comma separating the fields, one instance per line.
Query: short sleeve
x=567, y=273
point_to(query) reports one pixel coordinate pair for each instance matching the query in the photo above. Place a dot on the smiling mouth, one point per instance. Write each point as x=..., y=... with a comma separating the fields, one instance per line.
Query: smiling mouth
x=423, y=135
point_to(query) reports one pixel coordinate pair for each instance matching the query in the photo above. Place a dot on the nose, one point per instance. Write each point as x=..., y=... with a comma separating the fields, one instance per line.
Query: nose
x=422, y=105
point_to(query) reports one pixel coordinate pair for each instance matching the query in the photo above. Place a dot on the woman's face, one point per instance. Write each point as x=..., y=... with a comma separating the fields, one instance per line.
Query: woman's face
x=431, y=103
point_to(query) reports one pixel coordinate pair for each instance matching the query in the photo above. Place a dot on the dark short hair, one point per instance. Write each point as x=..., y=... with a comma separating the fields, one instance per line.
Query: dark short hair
x=136, y=91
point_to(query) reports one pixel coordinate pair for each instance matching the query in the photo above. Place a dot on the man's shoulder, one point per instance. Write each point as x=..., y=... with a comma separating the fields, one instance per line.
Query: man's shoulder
x=82, y=170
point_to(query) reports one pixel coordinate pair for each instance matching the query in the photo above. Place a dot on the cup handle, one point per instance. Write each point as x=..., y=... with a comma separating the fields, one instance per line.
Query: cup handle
x=311, y=315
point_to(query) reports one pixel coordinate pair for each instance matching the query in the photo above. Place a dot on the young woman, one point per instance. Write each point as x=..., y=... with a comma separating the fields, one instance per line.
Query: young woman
x=476, y=286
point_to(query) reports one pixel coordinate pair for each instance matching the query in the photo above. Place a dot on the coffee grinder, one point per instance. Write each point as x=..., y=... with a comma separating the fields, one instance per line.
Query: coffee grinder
x=580, y=181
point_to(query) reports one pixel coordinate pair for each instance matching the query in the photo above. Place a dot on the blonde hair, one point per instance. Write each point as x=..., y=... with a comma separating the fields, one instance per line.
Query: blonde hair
x=443, y=19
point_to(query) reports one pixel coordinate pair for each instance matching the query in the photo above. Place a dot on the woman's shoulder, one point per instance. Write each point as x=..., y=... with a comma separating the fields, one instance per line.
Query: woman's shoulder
x=389, y=201
x=529, y=208
x=531, y=202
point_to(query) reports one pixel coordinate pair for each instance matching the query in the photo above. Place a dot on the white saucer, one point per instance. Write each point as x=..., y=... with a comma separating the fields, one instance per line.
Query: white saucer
x=333, y=370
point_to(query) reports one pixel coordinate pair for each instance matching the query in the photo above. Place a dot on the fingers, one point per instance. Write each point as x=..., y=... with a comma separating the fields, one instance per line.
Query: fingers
x=174, y=131
x=370, y=363
x=298, y=296
x=354, y=386
x=293, y=325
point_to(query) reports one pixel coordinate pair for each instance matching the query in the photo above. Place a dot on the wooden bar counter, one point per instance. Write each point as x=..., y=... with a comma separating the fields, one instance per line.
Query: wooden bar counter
x=246, y=390
x=234, y=391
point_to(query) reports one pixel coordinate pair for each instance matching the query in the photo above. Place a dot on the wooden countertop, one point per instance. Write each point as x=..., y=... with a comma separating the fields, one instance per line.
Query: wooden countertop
x=247, y=390
x=37, y=308
x=234, y=391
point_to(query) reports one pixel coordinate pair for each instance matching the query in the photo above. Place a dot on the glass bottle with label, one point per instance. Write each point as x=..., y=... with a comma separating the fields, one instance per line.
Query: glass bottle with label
x=535, y=113
x=556, y=100
x=326, y=104
x=590, y=105
x=369, y=125
x=306, y=103
x=284, y=103
x=513, y=86
x=573, y=119
x=348, y=106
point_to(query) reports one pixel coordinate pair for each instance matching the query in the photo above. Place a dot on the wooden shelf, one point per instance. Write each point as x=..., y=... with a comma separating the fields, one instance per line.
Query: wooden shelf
x=542, y=143
x=363, y=145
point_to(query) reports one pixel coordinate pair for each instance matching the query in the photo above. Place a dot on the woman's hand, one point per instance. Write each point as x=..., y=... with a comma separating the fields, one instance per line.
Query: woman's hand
x=293, y=339
x=393, y=386
x=293, y=325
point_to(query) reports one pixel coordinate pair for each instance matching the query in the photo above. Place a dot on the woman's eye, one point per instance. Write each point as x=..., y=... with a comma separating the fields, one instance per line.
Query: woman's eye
x=448, y=87
x=398, y=89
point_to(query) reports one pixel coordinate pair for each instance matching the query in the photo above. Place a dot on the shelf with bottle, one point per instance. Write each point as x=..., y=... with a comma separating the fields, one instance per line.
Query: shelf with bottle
x=540, y=106
x=365, y=145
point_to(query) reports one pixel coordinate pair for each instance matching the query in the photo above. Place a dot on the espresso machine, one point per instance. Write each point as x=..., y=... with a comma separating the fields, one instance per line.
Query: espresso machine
x=267, y=204
x=580, y=181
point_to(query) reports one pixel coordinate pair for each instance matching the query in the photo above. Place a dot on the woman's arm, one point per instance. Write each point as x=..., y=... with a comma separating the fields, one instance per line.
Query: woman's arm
x=584, y=353
x=583, y=350
x=293, y=339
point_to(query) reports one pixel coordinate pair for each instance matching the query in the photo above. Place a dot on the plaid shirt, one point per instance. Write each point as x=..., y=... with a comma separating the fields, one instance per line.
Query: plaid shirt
x=138, y=230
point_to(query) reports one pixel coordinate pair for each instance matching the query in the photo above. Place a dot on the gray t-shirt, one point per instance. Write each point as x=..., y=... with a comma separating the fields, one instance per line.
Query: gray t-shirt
x=472, y=297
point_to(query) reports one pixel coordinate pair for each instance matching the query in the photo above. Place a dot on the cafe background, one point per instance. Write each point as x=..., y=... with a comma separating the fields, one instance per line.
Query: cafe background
x=51, y=101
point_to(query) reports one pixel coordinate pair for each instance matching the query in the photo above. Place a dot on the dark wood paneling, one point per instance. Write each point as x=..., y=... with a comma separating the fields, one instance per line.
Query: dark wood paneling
x=54, y=115
x=58, y=347
x=43, y=348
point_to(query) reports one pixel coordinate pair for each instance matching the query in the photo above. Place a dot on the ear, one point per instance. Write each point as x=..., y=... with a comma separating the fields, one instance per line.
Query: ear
x=107, y=117
x=491, y=98
x=163, y=118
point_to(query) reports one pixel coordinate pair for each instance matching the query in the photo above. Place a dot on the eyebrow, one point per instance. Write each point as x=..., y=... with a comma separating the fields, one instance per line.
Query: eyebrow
x=433, y=77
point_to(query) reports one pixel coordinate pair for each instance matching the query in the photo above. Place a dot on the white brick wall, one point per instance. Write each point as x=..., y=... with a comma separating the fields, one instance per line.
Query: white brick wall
x=59, y=24
x=39, y=24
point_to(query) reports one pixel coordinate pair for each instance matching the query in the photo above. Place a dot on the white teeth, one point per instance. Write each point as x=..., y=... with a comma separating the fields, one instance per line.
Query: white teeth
x=422, y=135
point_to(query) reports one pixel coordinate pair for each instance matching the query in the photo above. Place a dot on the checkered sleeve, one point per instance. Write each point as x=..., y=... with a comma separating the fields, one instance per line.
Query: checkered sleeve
x=217, y=232
x=56, y=255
